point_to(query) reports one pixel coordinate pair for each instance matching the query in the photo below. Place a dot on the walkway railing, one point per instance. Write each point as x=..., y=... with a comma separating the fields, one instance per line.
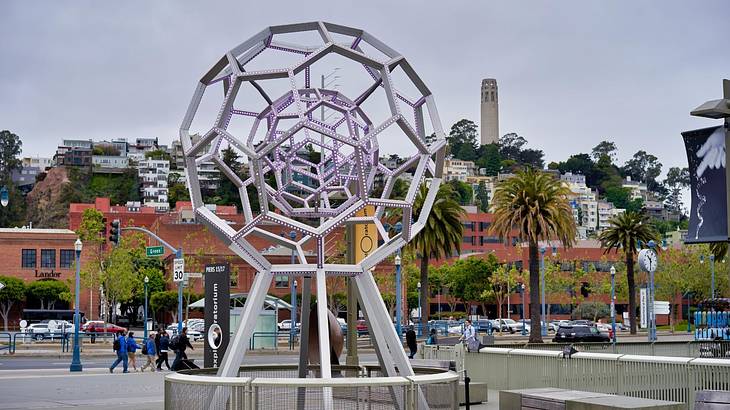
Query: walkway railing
x=277, y=387
x=652, y=377
x=708, y=349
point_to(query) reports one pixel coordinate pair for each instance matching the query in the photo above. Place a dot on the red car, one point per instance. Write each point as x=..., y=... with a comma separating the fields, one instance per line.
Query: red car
x=362, y=327
x=96, y=327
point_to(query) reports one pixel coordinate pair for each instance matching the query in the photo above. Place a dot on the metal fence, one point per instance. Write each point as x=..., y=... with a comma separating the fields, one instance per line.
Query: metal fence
x=708, y=349
x=652, y=377
x=277, y=387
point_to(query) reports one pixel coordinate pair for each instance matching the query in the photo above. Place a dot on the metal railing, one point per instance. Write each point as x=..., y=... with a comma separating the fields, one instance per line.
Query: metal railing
x=652, y=377
x=708, y=349
x=277, y=387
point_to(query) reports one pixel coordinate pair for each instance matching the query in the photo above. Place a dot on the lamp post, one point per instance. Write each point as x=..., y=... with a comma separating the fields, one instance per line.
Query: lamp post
x=76, y=360
x=651, y=313
x=146, y=284
x=293, y=327
x=418, y=285
x=398, y=306
x=689, y=325
x=522, y=292
x=613, y=306
x=543, y=325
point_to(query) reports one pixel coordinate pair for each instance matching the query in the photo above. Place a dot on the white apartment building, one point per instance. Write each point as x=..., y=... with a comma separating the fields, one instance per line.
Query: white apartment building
x=109, y=162
x=208, y=173
x=638, y=189
x=606, y=211
x=584, y=204
x=153, y=183
x=458, y=169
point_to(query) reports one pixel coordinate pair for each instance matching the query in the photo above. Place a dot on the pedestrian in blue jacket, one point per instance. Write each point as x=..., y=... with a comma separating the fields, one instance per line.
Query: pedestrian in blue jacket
x=120, y=347
x=132, y=347
x=149, y=350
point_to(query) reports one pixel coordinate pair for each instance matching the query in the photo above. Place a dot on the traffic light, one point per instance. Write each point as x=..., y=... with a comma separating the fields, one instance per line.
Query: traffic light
x=114, y=233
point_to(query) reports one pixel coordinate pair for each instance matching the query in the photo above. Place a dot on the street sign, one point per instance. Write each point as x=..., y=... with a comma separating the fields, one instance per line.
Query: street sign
x=194, y=274
x=661, y=307
x=178, y=270
x=155, y=251
x=2, y=285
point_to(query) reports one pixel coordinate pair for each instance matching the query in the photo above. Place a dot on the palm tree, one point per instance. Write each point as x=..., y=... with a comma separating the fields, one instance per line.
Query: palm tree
x=534, y=204
x=625, y=232
x=440, y=237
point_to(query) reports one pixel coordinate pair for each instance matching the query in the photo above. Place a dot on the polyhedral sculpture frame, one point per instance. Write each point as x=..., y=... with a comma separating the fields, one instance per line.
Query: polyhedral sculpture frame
x=341, y=183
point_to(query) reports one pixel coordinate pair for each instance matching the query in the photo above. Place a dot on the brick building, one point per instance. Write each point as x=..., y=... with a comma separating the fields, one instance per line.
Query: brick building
x=42, y=254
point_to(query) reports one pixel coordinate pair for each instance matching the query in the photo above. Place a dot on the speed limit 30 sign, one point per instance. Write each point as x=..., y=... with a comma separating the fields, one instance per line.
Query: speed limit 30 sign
x=178, y=270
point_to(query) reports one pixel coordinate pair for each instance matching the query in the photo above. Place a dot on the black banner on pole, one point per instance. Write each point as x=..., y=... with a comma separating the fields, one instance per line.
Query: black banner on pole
x=217, y=312
x=706, y=158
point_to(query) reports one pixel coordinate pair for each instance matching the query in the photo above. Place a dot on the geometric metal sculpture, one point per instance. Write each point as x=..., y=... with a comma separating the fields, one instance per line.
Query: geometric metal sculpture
x=313, y=195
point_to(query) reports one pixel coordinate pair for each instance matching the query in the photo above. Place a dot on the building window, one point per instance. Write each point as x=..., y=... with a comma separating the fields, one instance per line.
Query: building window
x=48, y=258
x=67, y=258
x=468, y=239
x=469, y=225
x=28, y=258
x=281, y=281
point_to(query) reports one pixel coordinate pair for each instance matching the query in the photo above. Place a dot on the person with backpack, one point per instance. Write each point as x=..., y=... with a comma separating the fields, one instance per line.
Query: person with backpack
x=178, y=344
x=162, y=351
x=132, y=347
x=149, y=350
x=120, y=347
x=432, y=337
x=411, y=341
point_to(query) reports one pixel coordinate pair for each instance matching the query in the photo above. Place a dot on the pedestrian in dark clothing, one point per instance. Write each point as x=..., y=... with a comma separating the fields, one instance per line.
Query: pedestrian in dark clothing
x=158, y=336
x=411, y=342
x=432, y=338
x=180, y=347
x=162, y=351
x=120, y=347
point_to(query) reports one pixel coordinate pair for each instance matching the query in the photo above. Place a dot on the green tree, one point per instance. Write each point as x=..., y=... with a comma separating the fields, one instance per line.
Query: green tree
x=462, y=140
x=120, y=277
x=643, y=167
x=10, y=149
x=48, y=292
x=623, y=235
x=464, y=192
x=510, y=146
x=467, y=279
x=440, y=236
x=227, y=190
x=591, y=311
x=159, y=154
x=532, y=158
x=91, y=232
x=490, y=159
x=482, y=197
x=606, y=148
x=534, y=203
x=501, y=283
x=677, y=179
x=164, y=302
x=12, y=293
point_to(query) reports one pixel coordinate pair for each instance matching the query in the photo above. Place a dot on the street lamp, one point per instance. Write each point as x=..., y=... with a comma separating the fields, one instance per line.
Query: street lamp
x=398, y=321
x=293, y=327
x=76, y=360
x=420, y=323
x=522, y=291
x=543, y=325
x=146, y=283
x=613, y=306
x=651, y=311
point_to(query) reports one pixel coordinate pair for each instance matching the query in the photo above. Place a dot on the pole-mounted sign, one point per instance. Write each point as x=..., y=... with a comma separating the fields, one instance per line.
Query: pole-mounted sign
x=178, y=270
x=217, y=312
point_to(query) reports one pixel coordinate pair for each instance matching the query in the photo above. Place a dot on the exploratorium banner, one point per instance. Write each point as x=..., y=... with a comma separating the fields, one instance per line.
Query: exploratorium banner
x=708, y=212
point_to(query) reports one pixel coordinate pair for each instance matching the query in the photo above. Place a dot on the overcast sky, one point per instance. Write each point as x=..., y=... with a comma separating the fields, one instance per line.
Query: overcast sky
x=570, y=73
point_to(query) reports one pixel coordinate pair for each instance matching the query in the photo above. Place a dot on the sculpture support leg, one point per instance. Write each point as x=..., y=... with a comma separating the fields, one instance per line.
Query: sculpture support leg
x=304, y=340
x=378, y=316
x=324, y=336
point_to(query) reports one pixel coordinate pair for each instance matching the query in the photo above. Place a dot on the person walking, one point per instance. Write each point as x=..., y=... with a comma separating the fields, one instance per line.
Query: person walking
x=150, y=350
x=432, y=338
x=469, y=336
x=132, y=347
x=179, y=347
x=411, y=341
x=162, y=351
x=120, y=347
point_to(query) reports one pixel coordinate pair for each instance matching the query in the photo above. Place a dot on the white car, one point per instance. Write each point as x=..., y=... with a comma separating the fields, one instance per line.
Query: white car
x=193, y=334
x=285, y=325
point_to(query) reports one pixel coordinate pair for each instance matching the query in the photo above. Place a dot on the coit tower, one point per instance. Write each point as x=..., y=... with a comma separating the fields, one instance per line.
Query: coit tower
x=490, y=111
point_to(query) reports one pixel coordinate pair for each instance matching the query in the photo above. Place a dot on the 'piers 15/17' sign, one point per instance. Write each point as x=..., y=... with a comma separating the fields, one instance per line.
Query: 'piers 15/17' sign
x=217, y=312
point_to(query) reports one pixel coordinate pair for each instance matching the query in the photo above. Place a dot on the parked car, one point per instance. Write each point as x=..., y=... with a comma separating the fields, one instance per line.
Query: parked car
x=484, y=325
x=103, y=327
x=91, y=322
x=193, y=335
x=362, y=327
x=285, y=325
x=343, y=325
x=579, y=333
x=605, y=328
x=506, y=325
x=582, y=322
x=39, y=331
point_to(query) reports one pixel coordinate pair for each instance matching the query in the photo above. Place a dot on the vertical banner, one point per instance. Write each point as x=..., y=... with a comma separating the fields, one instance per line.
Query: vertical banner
x=706, y=158
x=366, y=235
x=217, y=312
x=643, y=304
